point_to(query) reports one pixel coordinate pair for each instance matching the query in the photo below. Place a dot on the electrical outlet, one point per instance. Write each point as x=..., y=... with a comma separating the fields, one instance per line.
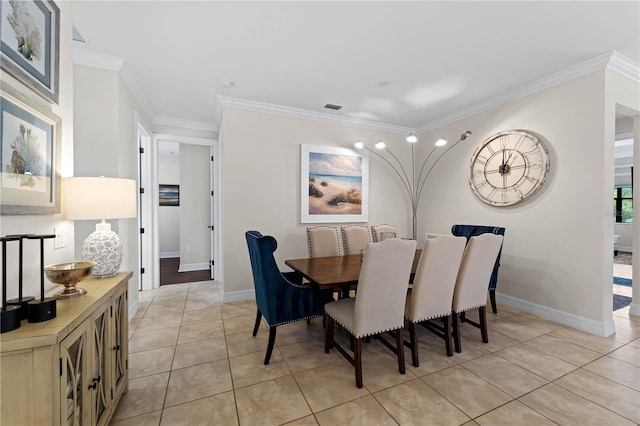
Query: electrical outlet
x=58, y=241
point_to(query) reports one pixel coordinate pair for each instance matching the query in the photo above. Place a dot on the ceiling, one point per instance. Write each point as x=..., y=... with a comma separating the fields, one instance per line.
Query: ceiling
x=406, y=64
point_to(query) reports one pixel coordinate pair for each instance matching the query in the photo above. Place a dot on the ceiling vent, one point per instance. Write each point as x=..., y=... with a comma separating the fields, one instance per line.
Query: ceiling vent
x=77, y=37
x=332, y=106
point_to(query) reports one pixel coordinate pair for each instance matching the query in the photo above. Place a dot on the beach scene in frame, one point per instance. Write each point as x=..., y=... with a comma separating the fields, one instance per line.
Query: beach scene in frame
x=335, y=181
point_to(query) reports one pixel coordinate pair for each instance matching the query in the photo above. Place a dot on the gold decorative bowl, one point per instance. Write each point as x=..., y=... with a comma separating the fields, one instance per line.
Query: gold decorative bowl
x=69, y=274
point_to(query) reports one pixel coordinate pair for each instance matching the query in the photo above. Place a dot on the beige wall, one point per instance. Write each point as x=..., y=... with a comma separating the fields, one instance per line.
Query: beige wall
x=195, y=213
x=106, y=146
x=169, y=216
x=261, y=185
x=557, y=257
x=45, y=224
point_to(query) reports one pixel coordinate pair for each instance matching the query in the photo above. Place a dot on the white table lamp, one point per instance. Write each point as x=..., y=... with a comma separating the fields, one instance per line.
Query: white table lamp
x=93, y=198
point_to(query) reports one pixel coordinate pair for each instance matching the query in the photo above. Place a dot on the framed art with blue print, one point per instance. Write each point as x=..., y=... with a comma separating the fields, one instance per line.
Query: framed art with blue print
x=29, y=155
x=30, y=45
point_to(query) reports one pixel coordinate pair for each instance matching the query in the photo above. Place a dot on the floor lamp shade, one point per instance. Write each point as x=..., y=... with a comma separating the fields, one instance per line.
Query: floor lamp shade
x=100, y=198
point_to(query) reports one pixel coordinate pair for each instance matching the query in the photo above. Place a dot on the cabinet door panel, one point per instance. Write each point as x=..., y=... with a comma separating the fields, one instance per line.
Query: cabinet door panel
x=100, y=387
x=120, y=339
x=75, y=407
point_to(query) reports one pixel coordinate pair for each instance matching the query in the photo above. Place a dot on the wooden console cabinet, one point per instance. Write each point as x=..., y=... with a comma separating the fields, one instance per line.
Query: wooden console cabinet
x=71, y=370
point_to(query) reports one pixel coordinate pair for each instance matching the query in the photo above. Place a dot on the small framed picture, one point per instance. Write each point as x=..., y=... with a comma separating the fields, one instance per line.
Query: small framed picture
x=30, y=45
x=169, y=195
x=29, y=156
x=334, y=184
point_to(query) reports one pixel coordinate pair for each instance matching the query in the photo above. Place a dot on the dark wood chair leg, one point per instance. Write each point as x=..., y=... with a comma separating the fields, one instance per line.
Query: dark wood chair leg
x=483, y=324
x=456, y=333
x=257, y=324
x=328, y=335
x=492, y=296
x=400, y=351
x=447, y=334
x=413, y=344
x=272, y=340
x=357, y=357
x=308, y=321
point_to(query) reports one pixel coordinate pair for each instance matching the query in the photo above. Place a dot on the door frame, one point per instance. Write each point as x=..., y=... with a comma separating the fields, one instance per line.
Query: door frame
x=146, y=240
x=153, y=188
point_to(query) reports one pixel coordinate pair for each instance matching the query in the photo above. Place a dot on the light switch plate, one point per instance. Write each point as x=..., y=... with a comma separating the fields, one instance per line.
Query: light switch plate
x=58, y=241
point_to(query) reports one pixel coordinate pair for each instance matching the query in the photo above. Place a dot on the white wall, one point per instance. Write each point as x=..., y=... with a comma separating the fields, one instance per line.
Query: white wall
x=106, y=145
x=557, y=255
x=169, y=216
x=45, y=224
x=195, y=212
x=261, y=185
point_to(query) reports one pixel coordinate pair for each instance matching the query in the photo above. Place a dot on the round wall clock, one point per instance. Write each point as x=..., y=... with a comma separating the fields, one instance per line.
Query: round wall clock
x=508, y=168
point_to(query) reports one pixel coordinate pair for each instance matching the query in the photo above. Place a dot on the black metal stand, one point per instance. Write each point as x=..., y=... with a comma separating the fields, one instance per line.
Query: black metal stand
x=45, y=308
x=10, y=314
x=21, y=300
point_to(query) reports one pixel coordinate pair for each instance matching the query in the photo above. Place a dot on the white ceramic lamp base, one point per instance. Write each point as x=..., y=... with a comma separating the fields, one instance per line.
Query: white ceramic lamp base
x=103, y=246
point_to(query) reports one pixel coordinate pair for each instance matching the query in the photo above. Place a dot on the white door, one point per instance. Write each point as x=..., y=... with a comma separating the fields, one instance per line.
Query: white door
x=212, y=227
x=145, y=222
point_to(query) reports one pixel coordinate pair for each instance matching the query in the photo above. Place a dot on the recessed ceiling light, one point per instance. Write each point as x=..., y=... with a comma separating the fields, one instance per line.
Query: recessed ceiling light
x=228, y=84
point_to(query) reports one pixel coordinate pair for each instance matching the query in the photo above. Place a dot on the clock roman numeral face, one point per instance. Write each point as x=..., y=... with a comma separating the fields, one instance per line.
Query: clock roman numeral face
x=508, y=168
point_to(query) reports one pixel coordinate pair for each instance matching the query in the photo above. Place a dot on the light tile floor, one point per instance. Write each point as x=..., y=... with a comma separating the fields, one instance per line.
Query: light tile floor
x=193, y=361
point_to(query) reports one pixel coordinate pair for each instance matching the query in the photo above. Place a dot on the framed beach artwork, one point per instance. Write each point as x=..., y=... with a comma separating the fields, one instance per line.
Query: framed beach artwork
x=169, y=195
x=334, y=184
x=30, y=45
x=29, y=155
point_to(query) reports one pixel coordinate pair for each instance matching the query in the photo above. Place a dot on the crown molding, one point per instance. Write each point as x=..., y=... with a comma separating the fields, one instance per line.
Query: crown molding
x=624, y=66
x=229, y=102
x=88, y=58
x=97, y=60
x=612, y=60
x=189, y=124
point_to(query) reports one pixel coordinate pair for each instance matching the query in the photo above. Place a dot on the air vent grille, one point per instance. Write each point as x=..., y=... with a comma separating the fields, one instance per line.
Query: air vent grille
x=77, y=36
x=333, y=106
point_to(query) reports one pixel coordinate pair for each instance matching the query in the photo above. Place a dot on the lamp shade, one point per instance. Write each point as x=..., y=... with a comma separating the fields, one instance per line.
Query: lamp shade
x=92, y=198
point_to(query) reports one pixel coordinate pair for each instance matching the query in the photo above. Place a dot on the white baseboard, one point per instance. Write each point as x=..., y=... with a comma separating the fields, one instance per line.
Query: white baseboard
x=187, y=267
x=168, y=254
x=133, y=310
x=634, y=309
x=584, y=324
x=235, y=296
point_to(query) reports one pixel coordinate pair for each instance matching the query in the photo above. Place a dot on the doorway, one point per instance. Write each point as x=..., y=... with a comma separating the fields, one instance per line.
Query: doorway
x=182, y=219
x=623, y=218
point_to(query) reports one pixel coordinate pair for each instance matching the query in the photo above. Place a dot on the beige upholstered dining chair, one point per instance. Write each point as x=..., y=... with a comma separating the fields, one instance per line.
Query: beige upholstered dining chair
x=432, y=294
x=378, y=306
x=355, y=238
x=470, y=292
x=323, y=241
x=377, y=230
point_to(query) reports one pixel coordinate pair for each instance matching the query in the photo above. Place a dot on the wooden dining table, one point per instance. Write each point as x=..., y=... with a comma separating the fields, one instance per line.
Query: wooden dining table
x=328, y=273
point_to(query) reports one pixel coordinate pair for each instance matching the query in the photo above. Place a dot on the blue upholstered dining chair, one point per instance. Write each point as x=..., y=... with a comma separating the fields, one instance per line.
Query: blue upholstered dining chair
x=469, y=231
x=279, y=300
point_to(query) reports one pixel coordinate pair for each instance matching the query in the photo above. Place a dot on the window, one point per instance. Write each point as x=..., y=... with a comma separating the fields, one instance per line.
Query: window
x=623, y=204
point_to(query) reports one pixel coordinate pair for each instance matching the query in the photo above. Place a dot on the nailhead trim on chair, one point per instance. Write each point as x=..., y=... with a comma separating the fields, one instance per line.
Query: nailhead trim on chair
x=321, y=226
x=374, y=236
